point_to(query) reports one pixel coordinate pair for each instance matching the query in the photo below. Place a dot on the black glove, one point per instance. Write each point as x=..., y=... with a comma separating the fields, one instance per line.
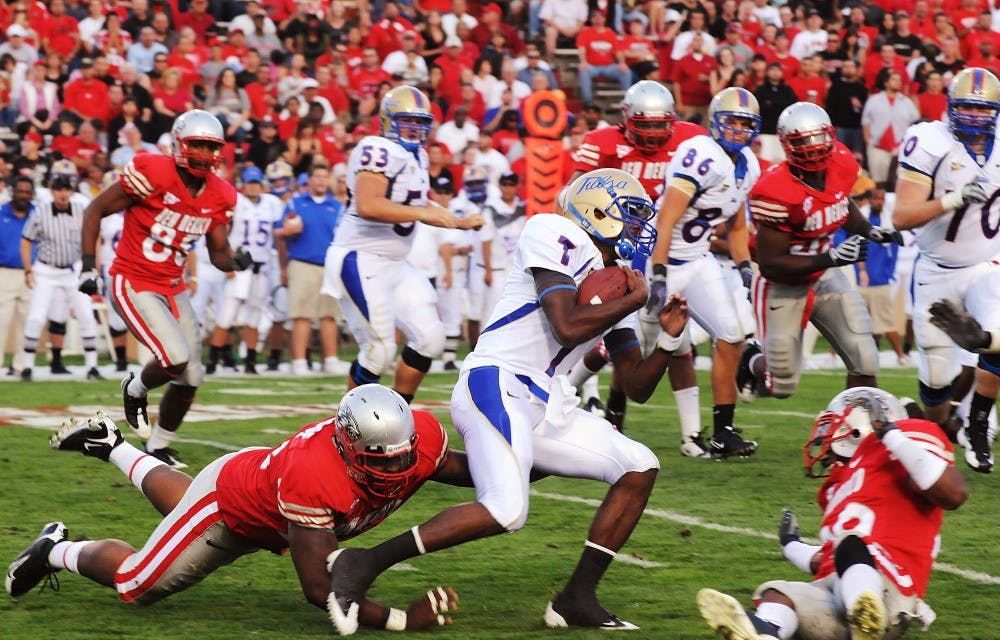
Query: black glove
x=91, y=283
x=788, y=530
x=241, y=260
x=883, y=235
x=746, y=273
x=657, y=290
x=959, y=325
x=854, y=249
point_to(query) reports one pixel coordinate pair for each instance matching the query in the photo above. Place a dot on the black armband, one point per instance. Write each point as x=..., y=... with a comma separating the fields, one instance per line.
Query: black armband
x=660, y=270
x=89, y=262
x=745, y=264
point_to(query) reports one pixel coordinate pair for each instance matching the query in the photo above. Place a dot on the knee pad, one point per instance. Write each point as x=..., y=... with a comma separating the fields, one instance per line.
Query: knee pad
x=361, y=376
x=431, y=341
x=990, y=362
x=377, y=356
x=782, y=361
x=850, y=551
x=939, y=367
x=57, y=328
x=415, y=360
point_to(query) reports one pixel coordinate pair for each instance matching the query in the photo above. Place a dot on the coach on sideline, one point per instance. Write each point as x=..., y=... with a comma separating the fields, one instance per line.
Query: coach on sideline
x=14, y=292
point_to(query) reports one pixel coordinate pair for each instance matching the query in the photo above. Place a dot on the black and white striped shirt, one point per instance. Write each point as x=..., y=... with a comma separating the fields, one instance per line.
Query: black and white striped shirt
x=57, y=233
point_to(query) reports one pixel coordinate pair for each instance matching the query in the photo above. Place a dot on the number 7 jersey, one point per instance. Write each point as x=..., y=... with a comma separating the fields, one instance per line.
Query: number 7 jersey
x=408, y=185
x=930, y=155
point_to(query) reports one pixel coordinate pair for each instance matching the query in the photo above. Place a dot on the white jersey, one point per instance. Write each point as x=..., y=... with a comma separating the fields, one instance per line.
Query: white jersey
x=931, y=155
x=253, y=225
x=502, y=226
x=721, y=188
x=517, y=337
x=423, y=254
x=408, y=185
x=111, y=235
x=462, y=238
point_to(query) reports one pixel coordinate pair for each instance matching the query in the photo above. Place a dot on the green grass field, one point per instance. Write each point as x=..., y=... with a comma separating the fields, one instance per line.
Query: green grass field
x=708, y=524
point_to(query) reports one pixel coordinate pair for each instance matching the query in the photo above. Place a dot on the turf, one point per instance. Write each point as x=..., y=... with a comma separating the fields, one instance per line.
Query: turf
x=708, y=524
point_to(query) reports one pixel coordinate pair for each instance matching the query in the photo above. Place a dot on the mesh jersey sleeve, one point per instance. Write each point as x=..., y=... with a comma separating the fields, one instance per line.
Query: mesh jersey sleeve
x=135, y=176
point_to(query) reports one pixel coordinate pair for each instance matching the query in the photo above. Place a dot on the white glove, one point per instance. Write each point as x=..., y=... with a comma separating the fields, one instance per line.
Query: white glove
x=854, y=249
x=971, y=193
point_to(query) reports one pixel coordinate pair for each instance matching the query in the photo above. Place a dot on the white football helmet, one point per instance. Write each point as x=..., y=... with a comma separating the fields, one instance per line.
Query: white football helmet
x=648, y=108
x=474, y=184
x=66, y=169
x=806, y=134
x=612, y=206
x=846, y=421
x=196, y=141
x=279, y=177
x=376, y=438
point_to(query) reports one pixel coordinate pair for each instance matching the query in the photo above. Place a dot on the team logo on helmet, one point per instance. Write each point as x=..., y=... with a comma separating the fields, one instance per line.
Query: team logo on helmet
x=612, y=206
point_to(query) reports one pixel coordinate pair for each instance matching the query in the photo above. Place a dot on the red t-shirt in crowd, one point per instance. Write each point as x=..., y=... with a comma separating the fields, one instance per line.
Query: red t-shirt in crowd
x=812, y=89
x=599, y=45
x=60, y=32
x=932, y=105
x=364, y=83
x=637, y=48
x=87, y=98
x=691, y=75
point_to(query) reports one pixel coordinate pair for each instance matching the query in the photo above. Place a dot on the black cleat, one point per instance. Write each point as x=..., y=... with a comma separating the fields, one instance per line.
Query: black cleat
x=59, y=368
x=228, y=360
x=250, y=368
x=728, y=442
x=96, y=438
x=26, y=374
x=559, y=613
x=747, y=384
x=32, y=566
x=121, y=365
x=978, y=455
x=135, y=410
x=450, y=366
x=595, y=406
x=694, y=446
x=94, y=374
x=210, y=368
x=169, y=457
x=272, y=363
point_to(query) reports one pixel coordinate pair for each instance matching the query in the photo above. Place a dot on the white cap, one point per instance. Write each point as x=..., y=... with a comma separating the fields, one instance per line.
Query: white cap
x=16, y=30
x=309, y=83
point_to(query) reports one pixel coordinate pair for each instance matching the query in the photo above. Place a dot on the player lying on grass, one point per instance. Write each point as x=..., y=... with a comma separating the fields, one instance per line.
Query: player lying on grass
x=890, y=479
x=331, y=481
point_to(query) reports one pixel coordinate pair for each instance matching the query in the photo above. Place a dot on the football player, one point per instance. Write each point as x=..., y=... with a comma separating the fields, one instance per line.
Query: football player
x=642, y=145
x=798, y=206
x=169, y=202
x=366, y=269
x=279, y=180
x=371, y=457
x=706, y=185
x=516, y=410
x=948, y=184
x=890, y=479
x=245, y=294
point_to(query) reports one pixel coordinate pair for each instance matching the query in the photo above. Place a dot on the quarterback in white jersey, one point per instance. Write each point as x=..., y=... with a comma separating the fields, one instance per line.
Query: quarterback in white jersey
x=366, y=268
x=948, y=186
x=111, y=234
x=706, y=185
x=246, y=293
x=516, y=412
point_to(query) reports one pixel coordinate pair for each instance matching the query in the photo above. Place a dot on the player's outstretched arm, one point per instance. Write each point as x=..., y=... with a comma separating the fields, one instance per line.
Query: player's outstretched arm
x=221, y=254
x=372, y=203
x=640, y=376
x=573, y=323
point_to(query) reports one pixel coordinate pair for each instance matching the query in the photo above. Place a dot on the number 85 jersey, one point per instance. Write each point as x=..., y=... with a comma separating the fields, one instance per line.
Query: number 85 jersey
x=718, y=188
x=930, y=155
x=408, y=185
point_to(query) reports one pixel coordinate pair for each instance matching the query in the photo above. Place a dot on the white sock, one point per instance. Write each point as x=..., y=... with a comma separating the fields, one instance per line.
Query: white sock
x=133, y=462
x=782, y=616
x=66, y=554
x=857, y=579
x=90, y=358
x=160, y=438
x=689, y=411
x=300, y=366
x=590, y=389
x=330, y=363
x=580, y=374
x=136, y=388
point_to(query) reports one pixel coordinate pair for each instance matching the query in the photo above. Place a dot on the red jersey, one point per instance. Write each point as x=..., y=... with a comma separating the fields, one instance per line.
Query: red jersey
x=164, y=221
x=873, y=497
x=607, y=148
x=810, y=217
x=304, y=481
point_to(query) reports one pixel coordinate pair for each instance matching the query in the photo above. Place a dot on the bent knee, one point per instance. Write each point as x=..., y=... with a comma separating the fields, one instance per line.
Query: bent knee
x=377, y=356
x=510, y=512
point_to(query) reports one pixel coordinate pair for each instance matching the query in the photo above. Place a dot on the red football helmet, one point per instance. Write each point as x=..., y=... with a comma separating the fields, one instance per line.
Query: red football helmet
x=806, y=135
x=196, y=140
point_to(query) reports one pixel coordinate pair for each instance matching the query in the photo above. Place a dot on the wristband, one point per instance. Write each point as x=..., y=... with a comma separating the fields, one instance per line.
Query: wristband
x=89, y=261
x=396, y=620
x=994, y=343
x=660, y=270
x=745, y=264
x=668, y=342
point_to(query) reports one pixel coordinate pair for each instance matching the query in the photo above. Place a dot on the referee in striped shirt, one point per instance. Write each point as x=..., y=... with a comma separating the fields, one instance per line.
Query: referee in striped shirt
x=54, y=226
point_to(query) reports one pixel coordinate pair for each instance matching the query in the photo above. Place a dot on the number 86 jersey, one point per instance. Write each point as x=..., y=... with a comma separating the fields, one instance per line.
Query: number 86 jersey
x=408, y=185
x=718, y=188
x=931, y=155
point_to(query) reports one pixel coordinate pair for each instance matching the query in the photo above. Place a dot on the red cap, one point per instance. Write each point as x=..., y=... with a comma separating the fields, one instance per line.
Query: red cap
x=493, y=8
x=34, y=136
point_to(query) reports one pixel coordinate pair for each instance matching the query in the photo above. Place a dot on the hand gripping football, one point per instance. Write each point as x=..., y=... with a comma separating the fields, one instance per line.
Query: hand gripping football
x=602, y=286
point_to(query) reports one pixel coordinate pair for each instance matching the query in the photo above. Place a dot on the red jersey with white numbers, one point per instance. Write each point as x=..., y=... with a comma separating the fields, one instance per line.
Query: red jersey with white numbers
x=607, y=148
x=873, y=497
x=810, y=216
x=164, y=221
x=304, y=481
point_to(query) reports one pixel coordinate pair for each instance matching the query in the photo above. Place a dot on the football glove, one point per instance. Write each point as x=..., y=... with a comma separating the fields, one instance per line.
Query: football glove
x=657, y=291
x=959, y=325
x=788, y=530
x=242, y=260
x=971, y=193
x=883, y=235
x=746, y=273
x=91, y=282
x=854, y=249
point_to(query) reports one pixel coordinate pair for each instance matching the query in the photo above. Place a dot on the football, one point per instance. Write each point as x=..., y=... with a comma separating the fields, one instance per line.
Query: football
x=602, y=286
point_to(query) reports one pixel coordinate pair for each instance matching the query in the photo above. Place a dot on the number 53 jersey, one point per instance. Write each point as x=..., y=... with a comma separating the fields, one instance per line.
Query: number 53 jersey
x=930, y=155
x=718, y=188
x=408, y=185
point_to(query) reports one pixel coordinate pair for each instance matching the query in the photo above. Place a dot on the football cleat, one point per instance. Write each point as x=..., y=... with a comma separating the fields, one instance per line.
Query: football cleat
x=867, y=618
x=347, y=588
x=450, y=366
x=32, y=565
x=96, y=438
x=26, y=374
x=94, y=374
x=250, y=368
x=724, y=614
x=693, y=446
x=558, y=615
x=596, y=407
x=135, y=410
x=729, y=442
x=169, y=457
x=59, y=368
x=746, y=381
x=978, y=455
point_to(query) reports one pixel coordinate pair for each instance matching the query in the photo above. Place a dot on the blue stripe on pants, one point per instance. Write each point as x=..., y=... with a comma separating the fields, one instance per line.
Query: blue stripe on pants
x=351, y=278
x=484, y=388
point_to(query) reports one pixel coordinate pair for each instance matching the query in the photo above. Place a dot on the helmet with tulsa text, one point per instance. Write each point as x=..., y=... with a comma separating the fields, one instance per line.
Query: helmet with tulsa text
x=474, y=184
x=65, y=169
x=375, y=436
x=845, y=422
x=648, y=108
x=279, y=176
x=806, y=135
x=729, y=109
x=196, y=140
x=406, y=117
x=612, y=206
x=973, y=103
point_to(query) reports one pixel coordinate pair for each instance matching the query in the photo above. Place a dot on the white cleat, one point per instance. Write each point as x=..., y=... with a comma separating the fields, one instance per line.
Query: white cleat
x=725, y=614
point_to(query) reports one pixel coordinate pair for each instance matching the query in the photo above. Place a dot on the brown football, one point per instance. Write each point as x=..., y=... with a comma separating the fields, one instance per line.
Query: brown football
x=602, y=286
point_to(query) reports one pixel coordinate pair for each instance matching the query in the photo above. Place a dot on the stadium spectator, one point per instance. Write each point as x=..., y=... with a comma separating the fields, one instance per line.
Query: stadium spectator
x=87, y=97
x=459, y=14
x=534, y=64
x=16, y=47
x=986, y=56
x=15, y=294
x=852, y=46
x=39, y=99
x=407, y=62
x=600, y=55
x=261, y=34
x=231, y=105
x=812, y=39
x=949, y=61
x=722, y=75
x=845, y=102
x=386, y=34
x=291, y=83
x=458, y=133
x=883, y=121
x=491, y=160
x=437, y=162
x=170, y=99
x=142, y=53
x=906, y=43
x=304, y=148
x=932, y=102
x=691, y=74
x=364, y=80
x=781, y=54
x=507, y=137
x=683, y=41
x=60, y=33
x=733, y=38
x=832, y=56
x=808, y=84
x=563, y=20
x=131, y=143
x=886, y=59
x=139, y=17
x=245, y=21
x=773, y=96
x=491, y=20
